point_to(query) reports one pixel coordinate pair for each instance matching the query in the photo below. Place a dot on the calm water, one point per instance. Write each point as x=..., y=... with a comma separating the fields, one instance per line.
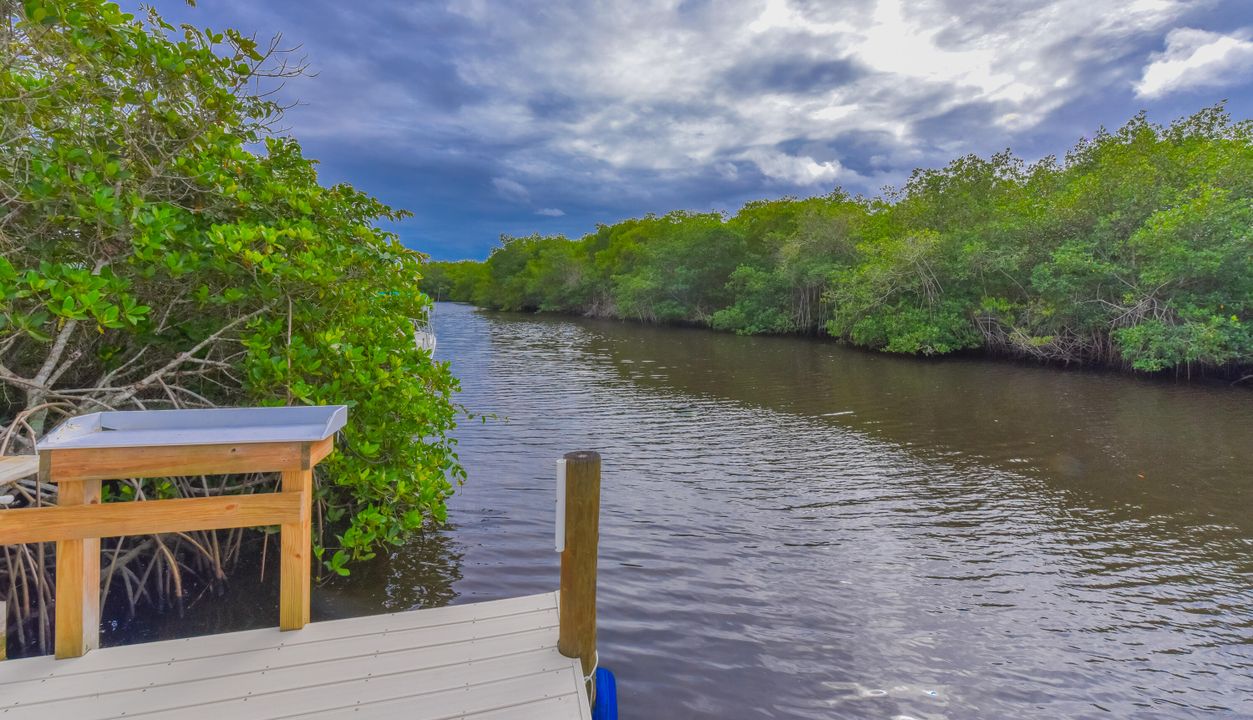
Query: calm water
x=796, y=530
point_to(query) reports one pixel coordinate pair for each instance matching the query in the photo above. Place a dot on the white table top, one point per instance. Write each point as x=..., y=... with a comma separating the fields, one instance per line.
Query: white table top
x=218, y=426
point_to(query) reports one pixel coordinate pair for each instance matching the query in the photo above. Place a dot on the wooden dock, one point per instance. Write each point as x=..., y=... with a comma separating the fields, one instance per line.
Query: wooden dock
x=517, y=658
x=482, y=661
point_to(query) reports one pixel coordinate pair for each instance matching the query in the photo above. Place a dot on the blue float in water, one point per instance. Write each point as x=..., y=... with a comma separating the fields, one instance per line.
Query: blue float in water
x=606, y=707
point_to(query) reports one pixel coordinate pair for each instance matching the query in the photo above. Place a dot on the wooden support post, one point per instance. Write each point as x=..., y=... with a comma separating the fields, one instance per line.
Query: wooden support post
x=4, y=627
x=577, y=634
x=296, y=550
x=77, y=623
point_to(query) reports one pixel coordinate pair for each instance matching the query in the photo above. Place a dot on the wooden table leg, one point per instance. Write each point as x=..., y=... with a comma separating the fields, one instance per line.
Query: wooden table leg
x=295, y=565
x=78, y=578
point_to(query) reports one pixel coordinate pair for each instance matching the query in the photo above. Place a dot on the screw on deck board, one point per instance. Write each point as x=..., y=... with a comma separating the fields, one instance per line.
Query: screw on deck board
x=577, y=634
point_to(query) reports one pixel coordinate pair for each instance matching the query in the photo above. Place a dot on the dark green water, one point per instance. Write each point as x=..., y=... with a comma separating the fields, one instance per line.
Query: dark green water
x=796, y=530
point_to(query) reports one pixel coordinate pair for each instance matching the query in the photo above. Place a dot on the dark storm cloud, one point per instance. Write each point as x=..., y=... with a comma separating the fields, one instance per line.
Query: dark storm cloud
x=515, y=117
x=791, y=75
x=872, y=153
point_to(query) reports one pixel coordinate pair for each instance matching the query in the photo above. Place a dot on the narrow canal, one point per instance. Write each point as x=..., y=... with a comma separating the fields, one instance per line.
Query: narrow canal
x=792, y=529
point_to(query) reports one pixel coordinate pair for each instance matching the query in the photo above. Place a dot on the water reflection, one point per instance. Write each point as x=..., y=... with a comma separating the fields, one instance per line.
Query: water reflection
x=421, y=574
x=793, y=529
x=1144, y=438
x=796, y=530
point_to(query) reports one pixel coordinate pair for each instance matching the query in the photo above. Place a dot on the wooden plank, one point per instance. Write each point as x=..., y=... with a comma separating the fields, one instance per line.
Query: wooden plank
x=319, y=450
x=251, y=670
x=585, y=692
x=562, y=707
x=295, y=553
x=487, y=660
x=508, y=699
x=354, y=680
x=146, y=517
x=17, y=467
x=77, y=624
x=471, y=700
x=446, y=693
x=144, y=656
x=164, y=461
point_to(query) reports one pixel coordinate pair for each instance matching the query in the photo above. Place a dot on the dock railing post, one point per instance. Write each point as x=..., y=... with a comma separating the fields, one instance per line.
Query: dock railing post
x=577, y=608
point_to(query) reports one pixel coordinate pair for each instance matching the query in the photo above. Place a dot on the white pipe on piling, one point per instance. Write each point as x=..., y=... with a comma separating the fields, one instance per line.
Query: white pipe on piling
x=560, y=539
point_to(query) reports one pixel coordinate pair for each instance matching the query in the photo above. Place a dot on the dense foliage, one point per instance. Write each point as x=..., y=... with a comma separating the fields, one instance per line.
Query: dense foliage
x=1135, y=251
x=161, y=247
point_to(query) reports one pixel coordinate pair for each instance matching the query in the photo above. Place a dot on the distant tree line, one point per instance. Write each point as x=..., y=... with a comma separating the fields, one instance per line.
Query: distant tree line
x=1134, y=251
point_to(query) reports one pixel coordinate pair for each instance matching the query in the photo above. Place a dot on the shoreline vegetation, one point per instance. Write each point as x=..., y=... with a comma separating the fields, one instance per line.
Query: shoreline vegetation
x=1134, y=251
x=163, y=244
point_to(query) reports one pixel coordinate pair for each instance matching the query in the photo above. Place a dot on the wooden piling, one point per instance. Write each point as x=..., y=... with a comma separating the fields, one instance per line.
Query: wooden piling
x=577, y=632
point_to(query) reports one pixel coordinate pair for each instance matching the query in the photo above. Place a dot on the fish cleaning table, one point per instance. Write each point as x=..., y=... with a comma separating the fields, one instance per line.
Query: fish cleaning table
x=516, y=658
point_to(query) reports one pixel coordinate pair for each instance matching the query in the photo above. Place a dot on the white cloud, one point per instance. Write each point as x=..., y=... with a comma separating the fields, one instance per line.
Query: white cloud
x=550, y=212
x=612, y=102
x=659, y=89
x=794, y=169
x=781, y=14
x=511, y=189
x=1196, y=58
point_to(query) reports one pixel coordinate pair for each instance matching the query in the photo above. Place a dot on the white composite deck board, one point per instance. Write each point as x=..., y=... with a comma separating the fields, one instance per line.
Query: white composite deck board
x=309, y=692
x=462, y=661
x=502, y=699
x=401, y=700
x=232, y=644
x=558, y=707
x=256, y=672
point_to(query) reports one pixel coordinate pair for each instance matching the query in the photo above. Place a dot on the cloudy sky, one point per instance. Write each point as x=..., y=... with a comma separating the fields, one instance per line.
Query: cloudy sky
x=517, y=117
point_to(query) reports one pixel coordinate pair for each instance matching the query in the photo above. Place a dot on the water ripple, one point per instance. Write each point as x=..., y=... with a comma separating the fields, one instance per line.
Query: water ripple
x=795, y=530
